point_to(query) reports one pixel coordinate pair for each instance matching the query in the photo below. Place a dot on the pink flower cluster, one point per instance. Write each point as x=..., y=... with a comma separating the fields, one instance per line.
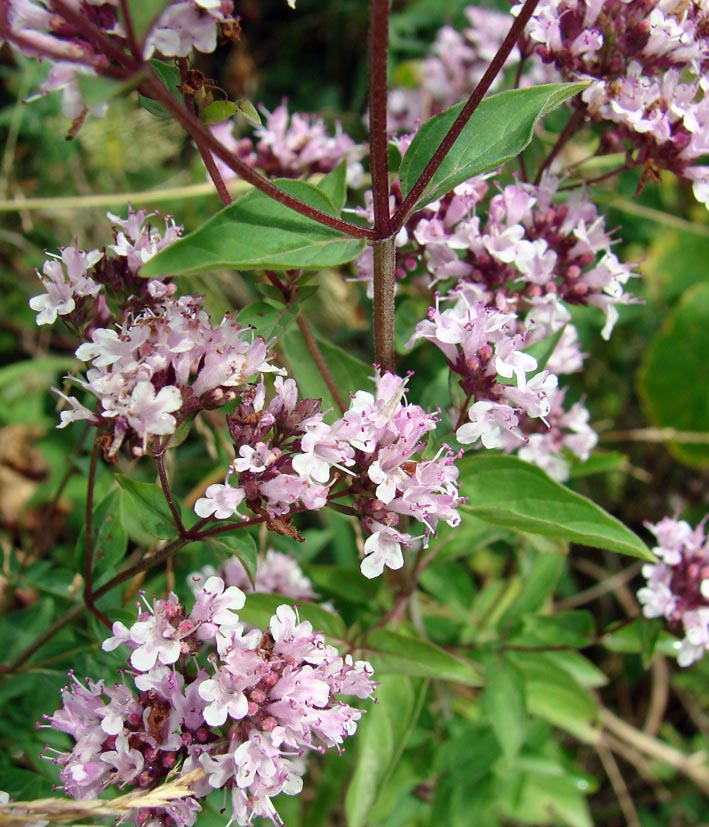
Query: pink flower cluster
x=158, y=360
x=39, y=28
x=647, y=61
x=678, y=585
x=244, y=706
x=456, y=62
x=534, y=249
x=482, y=347
x=291, y=146
x=287, y=455
x=516, y=261
x=77, y=283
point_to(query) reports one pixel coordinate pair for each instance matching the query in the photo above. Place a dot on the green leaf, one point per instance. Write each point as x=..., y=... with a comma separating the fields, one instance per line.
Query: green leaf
x=23, y=785
x=392, y=653
x=553, y=695
x=143, y=13
x=546, y=798
x=20, y=628
x=110, y=539
x=639, y=636
x=241, y=545
x=537, y=586
x=581, y=669
x=504, y=704
x=349, y=373
x=381, y=740
x=268, y=318
x=260, y=608
x=509, y=492
x=575, y=629
x=249, y=111
x=169, y=75
x=675, y=261
x=257, y=232
x=674, y=378
x=26, y=383
x=600, y=462
x=334, y=185
x=499, y=129
x=217, y=111
x=143, y=507
x=467, y=804
x=338, y=581
x=450, y=584
x=542, y=351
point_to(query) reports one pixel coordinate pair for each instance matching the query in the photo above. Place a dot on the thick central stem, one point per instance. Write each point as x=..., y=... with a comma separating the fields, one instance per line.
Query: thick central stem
x=378, y=144
x=384, y=287
x=383, y=246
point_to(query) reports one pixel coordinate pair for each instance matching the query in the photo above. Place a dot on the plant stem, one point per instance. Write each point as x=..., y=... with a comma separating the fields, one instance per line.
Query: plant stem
x=319, y=359
x=205, y=154
x=167, y=491
x=89, y=529
x=378, y=146
x=574, y=123
x=496, y=64
x=133, y=44
x=384, y=286
x=384, y=249
x=204, y=138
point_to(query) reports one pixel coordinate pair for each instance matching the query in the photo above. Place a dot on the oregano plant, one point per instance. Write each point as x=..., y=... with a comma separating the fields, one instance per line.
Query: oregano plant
x=352, y=560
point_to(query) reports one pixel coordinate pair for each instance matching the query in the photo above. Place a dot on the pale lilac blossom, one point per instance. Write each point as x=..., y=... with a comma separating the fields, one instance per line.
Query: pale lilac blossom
x=288, y=459
x=649, y=85
x=266, y=698
x=677, y=586
x=291, y=145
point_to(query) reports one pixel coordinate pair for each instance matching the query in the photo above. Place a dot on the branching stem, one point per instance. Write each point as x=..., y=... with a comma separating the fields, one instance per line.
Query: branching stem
x=167, y=491
x=495, y=67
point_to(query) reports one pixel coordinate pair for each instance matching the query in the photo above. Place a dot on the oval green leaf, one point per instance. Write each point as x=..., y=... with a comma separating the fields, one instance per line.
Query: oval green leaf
x=499, y=129
x=144, y=510
x=674, y=378
x=256, y=233
x=381, y=740
x=217, y=111
x=391, y=653
x=509, y=492
x=241, y=545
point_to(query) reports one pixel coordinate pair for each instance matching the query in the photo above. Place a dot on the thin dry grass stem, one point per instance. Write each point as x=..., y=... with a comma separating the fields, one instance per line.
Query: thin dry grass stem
x=608, y=584
x=622, y=593
x=620, y=788
x=65, y=810
x=659, y=695
x=695, y=766
x=643, y=766
x=656, y=435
